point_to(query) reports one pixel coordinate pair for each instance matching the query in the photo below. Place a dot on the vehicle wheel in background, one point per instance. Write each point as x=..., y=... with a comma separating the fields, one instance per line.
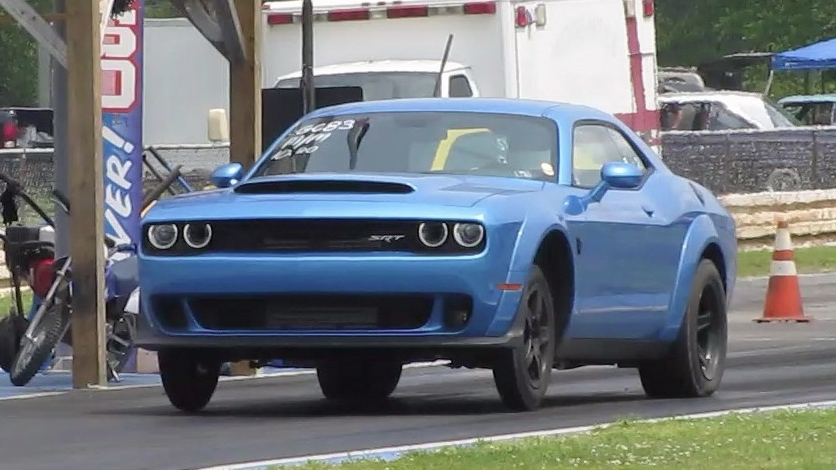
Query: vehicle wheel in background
x=522, y=374
x=189, y=379
x=358, y=379
x=695, y=364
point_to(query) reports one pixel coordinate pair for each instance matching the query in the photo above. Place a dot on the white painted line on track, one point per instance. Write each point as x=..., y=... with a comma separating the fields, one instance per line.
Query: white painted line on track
x=269, y=375
x=33, y=395
x=260, y=375
x=371, y=453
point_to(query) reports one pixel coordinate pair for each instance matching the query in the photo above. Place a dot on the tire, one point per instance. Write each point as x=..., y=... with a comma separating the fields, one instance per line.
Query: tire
x=368, y=380
x=189, y=380
x=695, y=364
x=32, y=354
x=12, y=329
x=521, y=386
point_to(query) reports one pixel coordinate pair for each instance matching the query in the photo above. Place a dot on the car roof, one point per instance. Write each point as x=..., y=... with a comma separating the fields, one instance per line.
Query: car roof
x=379, y=66
x=475, y=105
x=703, y=95
x=820, y=98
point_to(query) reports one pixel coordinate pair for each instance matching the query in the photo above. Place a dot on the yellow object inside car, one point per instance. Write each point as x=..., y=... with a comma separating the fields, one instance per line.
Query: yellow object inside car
x=443, y=149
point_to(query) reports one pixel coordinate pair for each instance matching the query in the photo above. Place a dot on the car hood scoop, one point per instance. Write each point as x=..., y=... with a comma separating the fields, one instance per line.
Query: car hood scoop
x=324, y=186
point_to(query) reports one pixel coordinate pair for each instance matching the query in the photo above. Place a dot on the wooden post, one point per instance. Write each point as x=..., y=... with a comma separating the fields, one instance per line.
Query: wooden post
x=84, y=132
x=245, y=106
x=245, y=89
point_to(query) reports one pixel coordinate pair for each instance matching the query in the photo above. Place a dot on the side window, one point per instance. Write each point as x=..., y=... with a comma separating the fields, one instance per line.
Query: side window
x=723, y=119
x=594, y=146
x=460, y=87
x=682, y=116
x=627, y=152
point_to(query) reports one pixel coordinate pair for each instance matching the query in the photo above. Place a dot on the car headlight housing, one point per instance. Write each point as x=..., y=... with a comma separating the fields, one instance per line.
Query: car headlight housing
x=197, y=235
x=433, y=234
x=162, y=236
x=468, y=235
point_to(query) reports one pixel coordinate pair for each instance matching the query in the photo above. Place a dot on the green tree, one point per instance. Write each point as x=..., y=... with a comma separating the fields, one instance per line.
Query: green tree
x=19, y=62
x=690, y=32
x=19, y=55
x=160, y=9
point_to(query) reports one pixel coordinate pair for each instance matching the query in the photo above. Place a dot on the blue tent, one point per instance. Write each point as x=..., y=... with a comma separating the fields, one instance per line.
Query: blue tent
x=820, y=55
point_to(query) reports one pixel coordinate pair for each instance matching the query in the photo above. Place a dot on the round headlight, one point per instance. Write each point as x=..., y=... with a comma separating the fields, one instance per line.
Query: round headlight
x=162, y=237
x=468, y=235
x=433, y=234
x=197, y=236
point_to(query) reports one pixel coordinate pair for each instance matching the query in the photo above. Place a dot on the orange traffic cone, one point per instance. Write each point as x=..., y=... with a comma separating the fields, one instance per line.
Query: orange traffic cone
x=783, y=295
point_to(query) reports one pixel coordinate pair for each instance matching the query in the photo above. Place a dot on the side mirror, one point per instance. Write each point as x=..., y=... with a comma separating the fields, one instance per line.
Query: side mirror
x=613, y=175
x=217, y=126
x=622, y=175
x=227, y=175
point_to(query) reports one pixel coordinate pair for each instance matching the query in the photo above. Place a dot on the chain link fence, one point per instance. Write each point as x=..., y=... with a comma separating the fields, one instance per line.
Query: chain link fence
x=726, y=162
x=34, y=169
x=744, y=161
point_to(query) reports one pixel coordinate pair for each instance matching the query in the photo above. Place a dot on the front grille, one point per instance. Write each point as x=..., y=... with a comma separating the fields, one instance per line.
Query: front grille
x=314, y=236
x=312, y=312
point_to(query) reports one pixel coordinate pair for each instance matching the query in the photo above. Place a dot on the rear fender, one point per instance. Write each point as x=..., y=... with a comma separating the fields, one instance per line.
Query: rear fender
x=700, y=234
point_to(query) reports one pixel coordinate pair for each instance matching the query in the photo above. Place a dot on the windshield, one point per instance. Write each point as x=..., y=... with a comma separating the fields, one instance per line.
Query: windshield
x=418, y=142
x=767, y=114
x=377, y=85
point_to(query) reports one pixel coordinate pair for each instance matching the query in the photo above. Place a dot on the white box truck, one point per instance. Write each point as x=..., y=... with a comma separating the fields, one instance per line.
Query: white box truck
x=595, y=52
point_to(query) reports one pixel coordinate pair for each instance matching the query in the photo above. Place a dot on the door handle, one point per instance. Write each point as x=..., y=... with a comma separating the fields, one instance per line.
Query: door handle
x=648, y=210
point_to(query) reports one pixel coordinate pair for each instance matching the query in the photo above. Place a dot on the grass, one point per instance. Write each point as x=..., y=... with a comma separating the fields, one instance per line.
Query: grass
x=785, y=440
x=6, y=301
x=807, y=260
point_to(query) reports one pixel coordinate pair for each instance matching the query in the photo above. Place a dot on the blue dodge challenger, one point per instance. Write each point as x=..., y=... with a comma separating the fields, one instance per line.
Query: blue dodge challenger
x=518, y=236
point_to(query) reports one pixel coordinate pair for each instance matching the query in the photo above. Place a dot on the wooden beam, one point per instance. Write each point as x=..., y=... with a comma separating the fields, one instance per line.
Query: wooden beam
x=84, y=132
x=217, y=22
x=245, y=89
x=34, y=23
x=48, y=17
x=245, y=105
x=233, y=36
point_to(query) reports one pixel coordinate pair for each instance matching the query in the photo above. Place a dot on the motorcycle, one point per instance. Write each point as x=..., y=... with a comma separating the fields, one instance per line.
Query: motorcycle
x=32, y=256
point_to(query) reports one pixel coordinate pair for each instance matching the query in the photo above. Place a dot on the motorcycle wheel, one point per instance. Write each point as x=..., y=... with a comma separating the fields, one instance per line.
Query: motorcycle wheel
x=120, y=342
x=33, y=353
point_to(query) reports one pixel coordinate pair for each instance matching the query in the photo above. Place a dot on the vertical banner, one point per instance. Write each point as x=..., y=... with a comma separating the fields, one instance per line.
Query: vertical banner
x=122, y=123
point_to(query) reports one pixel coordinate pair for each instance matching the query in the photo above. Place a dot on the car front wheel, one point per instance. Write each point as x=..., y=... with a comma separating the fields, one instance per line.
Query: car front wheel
x=189, y=380
x=695, y=364
x=522, y=374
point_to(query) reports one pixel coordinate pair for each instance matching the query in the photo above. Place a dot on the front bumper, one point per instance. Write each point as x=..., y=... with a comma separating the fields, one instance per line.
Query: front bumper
x=491, y=322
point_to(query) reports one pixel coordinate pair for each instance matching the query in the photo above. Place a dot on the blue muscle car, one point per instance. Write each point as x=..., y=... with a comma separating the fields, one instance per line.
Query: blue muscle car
x=519, y=236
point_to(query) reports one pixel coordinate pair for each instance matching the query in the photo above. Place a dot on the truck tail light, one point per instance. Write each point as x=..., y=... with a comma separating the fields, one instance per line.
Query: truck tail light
x=8, y=134
x=412, y=11
x=480, y=8
x=648, y=8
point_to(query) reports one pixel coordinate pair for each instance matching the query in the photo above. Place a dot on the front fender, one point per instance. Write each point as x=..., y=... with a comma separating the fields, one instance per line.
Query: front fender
x=701, y=233
x=531, y=233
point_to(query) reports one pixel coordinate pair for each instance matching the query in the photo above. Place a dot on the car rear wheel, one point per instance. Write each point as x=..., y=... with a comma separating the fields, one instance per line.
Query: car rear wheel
x=189, y=380
x=695, y=364
x=358, y=379
x=522, y=374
